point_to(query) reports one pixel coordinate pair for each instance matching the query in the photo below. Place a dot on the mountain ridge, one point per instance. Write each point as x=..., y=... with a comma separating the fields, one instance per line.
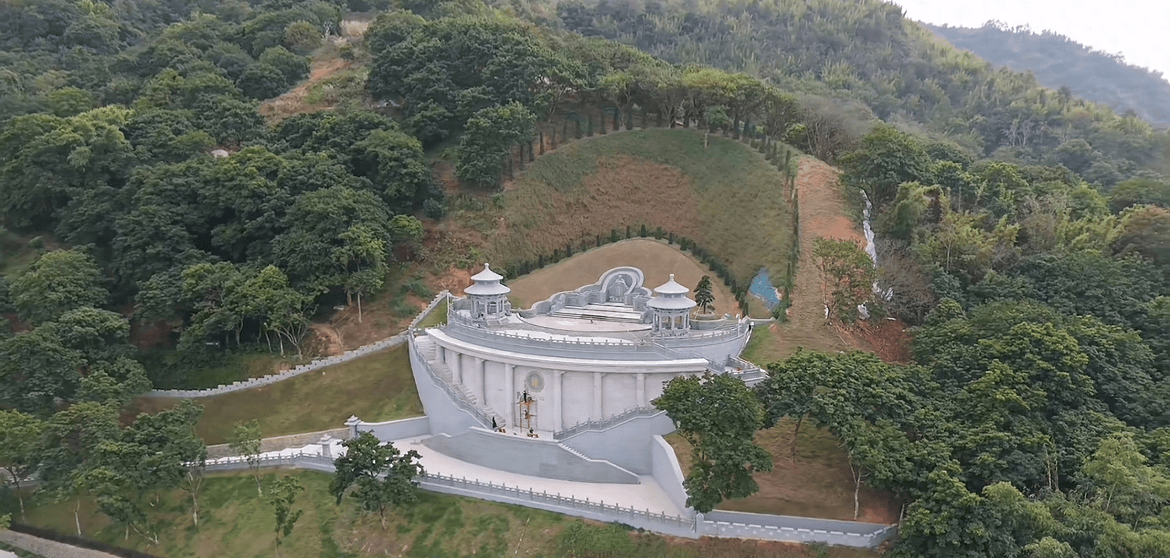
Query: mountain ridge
x=1057, y=61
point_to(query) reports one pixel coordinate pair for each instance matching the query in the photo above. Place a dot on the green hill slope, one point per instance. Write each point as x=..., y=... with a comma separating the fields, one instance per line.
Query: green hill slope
x=725, y=196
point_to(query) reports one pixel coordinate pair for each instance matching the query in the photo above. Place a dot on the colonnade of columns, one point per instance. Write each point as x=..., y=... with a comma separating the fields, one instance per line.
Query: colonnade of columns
x=478, y=369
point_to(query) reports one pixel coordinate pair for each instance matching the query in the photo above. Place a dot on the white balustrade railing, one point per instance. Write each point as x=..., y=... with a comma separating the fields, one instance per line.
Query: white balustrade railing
x=455, y=395
x=607, y=422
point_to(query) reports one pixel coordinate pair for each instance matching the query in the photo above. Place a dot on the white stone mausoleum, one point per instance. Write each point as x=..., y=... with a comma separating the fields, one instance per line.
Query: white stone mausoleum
x=576, y=372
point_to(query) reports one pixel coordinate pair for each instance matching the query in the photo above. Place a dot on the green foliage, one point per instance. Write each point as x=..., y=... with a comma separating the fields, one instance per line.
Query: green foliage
x=245, y=441
x=302, y=37
x=454, y=67
x=850, y=274
x=1139, y=191
x=283, y=497
x=366, y=459
x=885, y=159
x=719, y=416
x=20, y=436
x=488, y=139
x=703, y=295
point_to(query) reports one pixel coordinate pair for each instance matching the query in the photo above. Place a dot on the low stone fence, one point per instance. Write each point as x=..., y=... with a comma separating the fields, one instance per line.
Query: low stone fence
x=715, y=524
x=727, y=524
x=302, y=368
x=427, y=311
x=278, y=443
x=291, y=373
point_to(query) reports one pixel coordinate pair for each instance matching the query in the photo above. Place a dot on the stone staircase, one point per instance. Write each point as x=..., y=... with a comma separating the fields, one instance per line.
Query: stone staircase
x=606, y=311
x=430, y=351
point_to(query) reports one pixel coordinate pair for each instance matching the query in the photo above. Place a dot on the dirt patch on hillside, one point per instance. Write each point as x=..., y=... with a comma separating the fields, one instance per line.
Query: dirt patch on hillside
x=292, y=102
x=657, y=259
x=617, y=196
x=823, y=215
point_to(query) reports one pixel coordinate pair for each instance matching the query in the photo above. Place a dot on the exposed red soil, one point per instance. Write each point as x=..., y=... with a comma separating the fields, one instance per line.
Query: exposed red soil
x=823, y=215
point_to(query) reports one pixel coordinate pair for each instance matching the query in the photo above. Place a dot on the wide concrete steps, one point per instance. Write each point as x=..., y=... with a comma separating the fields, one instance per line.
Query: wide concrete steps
x=604, y=312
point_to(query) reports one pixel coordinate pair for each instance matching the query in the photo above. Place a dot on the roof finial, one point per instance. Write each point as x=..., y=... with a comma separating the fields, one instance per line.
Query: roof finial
x=672, y=277
x=487, y=266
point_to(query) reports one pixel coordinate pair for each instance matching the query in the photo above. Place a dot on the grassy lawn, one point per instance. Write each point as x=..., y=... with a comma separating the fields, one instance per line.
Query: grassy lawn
x=726, y=196
x=235, y=523
x=817, y=483
x=166, y=372
x=377, y=387
x=437, y=317
x=658, y=260
x=778, y=341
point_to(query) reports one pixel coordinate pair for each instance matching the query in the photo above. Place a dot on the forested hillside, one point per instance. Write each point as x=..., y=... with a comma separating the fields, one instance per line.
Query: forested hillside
x=1059, y=62
x=838, y=52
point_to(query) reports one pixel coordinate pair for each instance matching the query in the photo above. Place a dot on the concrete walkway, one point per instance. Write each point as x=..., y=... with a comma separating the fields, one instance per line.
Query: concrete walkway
x=644, y=496
x=647, y=495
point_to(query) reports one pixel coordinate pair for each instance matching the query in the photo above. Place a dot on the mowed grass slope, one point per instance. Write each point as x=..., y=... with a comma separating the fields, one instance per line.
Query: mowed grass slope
x=376, y=387
x=235, y=523
x=725, y=196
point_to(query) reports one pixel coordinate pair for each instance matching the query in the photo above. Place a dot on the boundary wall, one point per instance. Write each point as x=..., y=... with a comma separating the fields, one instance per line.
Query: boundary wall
x=303, y=368
x=392, y=429
x=668, y=472
x=626, y=442
x=278, y=443
x=735, y=525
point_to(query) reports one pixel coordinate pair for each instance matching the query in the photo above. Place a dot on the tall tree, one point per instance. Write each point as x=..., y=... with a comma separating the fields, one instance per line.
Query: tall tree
x=703, y=295
x=245, y=441
x=384, y=476
x=488, y=139
x=20, y=438
x=719, y=416
x=58, y=281
x=850, y=273
x=282, y=498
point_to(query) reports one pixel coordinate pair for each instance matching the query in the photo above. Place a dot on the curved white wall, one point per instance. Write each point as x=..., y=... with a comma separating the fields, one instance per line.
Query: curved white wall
x=571, y=390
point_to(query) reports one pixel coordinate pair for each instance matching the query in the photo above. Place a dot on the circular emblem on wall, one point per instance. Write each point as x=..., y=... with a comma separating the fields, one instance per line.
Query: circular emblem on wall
x=534, y=381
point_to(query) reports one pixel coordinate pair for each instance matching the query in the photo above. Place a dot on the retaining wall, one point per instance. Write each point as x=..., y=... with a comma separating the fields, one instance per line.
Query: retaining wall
x=397, y=429
x=441, y=407
x=626, y=444
x=795, y=529
x=278, y=443
x=667, y=472
x=303, y=368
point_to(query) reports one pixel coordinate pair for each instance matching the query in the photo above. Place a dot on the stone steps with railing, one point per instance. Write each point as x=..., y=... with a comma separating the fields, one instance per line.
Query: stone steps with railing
x=429, y=352
x=607, y=423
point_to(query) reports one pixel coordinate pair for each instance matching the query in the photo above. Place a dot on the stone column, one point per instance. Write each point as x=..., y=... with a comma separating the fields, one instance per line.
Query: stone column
x=510, y=392
x=597, y=396
x=457, y=369
x=352, y=422
x=483, y=381
x=476, y=366
x=442, y=354
x=640, y=390
x=557, y=391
